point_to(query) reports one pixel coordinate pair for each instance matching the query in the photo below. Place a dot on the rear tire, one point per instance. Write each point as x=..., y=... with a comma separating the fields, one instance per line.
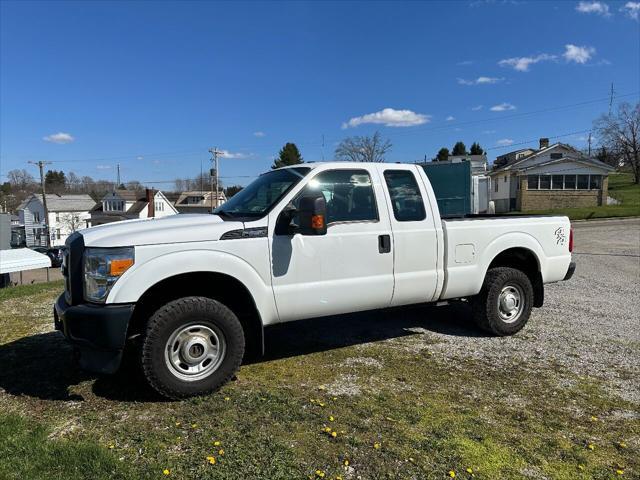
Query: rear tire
x=192, y=346
x=504, y=303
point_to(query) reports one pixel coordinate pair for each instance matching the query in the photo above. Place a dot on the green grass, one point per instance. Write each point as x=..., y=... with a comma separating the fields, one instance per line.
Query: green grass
x=621, y=187
x=428, y=415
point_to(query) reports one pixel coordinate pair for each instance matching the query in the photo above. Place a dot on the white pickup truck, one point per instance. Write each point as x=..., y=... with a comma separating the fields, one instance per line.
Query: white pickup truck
x=194, y=292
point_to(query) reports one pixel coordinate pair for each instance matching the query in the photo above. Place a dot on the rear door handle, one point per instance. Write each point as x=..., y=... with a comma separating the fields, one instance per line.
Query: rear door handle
x=384, y=243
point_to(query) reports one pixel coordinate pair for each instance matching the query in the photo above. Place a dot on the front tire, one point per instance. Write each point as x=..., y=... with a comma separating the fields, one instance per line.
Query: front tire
x=504, y=304
x=192, y=346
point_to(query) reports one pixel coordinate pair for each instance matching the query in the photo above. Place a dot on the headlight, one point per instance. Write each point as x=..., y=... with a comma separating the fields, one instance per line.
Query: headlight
x=102, y=268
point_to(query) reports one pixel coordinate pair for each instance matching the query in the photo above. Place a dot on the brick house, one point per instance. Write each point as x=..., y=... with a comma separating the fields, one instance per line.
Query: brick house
x=554, y=176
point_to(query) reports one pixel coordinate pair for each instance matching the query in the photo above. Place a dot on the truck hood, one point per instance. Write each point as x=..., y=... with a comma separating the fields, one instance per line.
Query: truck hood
x=153, y=231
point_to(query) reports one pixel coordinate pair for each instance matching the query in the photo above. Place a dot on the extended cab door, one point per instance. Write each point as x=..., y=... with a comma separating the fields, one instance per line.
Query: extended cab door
x=348, y=269
x=417, y=258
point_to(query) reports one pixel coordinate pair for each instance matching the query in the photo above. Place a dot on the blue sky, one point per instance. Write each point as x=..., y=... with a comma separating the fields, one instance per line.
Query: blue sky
x=153, y=85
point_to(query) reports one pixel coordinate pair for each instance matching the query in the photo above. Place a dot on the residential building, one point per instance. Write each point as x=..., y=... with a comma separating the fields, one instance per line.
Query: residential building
x=67, y=213
x=129, y=205
x=199, y=201
x=554, y=176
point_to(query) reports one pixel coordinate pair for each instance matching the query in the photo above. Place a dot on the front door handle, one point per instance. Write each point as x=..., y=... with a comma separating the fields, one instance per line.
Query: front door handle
x=384, y=243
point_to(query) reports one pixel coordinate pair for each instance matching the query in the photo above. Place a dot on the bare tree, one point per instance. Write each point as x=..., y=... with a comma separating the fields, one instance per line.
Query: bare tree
x=619, y=133
x=20, y=179
x=363, y=149
x=71, y=222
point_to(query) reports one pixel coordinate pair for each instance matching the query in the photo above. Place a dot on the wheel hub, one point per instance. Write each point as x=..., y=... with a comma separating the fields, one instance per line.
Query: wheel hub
x=510, y=303
x=195, y=351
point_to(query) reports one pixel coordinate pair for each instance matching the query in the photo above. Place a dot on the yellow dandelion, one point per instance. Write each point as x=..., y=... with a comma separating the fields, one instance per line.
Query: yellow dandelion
x=194, y=425
x=166, y=471
x=313, y=400
x=211, y=460
x=334, y=434
x=620, y=471
x=452, y=474
x=469, y=470
x=334, y=398
x=327, y=429
x=216, y=443
x=178, y=424
x=622, y=445
x=321, y=404
x=221, y=452
x=331, y=419
x=111, y=446
x=594, y=418
x=338, y=477
x=319, y=473
x=591, y=446
x=345, y=462
x=226, y=399
x=377, y=446
x=581, y=467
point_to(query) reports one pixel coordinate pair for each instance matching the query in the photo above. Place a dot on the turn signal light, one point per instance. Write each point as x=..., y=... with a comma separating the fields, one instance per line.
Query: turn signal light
x=119, y=266
x=317, y=221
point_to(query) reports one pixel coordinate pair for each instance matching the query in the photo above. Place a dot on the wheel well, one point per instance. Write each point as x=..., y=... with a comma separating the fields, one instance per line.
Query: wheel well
x=527, y=262
x=218, y=286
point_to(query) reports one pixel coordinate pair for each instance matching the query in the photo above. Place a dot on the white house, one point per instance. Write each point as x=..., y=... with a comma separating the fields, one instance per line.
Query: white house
x=554, y=176
x=127, y=205
x=67, y=213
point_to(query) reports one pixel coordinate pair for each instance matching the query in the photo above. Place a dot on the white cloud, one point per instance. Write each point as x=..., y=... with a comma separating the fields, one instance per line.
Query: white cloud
x=599, y=8
x=632, y=9
x=450, y=118
x=505, y=142
x=480, y=81
x=476, y=108
x=228, y=154
x=502, y=107
x=59, y=137
x=259, y=134
x=104, y=167
x=574, y=53
x=389, y=117
x=139, y=157
x=522, y=64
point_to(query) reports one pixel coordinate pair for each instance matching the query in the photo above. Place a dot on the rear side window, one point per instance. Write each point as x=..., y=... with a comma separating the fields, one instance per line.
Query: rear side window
x=349, y=195
x=405, y=196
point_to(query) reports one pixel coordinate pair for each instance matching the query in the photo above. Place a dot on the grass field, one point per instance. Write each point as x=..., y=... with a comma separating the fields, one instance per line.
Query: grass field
x=398, y=411
x=621, y=187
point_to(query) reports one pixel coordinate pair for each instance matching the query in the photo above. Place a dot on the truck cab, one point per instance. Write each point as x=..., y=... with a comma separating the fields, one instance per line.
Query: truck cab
x=192, y=293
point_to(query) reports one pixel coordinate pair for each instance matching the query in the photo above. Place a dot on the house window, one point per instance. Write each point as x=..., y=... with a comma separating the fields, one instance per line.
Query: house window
x=495, y=187
x=58, y=233
x=532, y=182
x=583, y=182
x=595, y=182
x=36, y=217
x=57, y=217
x=569, y=182
x=556, y=156
x=557, y=182
x=505, y=179
x=545, y=182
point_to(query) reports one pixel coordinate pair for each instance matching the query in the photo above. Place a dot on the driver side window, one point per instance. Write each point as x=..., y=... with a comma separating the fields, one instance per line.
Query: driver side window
x=349, y=195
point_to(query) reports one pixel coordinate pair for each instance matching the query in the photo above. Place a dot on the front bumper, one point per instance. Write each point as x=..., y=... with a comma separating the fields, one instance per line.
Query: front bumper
x=99, y=332
x=570, y=271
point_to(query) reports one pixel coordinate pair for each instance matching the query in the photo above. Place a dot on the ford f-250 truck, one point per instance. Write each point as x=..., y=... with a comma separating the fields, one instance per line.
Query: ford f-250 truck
x=193, y=292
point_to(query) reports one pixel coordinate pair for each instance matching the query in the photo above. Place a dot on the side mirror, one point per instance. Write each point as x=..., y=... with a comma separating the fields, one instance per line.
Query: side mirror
x=312, y=214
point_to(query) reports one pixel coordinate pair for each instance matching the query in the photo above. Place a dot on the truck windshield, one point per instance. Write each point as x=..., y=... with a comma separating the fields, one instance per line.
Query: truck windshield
x=259, y=196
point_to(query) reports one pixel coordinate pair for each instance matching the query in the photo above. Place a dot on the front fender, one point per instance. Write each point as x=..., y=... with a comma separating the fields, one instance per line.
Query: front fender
x=150, y=270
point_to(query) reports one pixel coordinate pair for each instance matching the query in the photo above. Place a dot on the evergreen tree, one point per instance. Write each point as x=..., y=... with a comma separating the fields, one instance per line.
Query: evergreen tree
x=443, y=155
x=288, y=155
x=459, y=149
x=476, y=149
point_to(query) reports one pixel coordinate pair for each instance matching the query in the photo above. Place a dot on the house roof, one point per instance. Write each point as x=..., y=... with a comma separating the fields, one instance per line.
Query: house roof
x=127, y=195
x=63, y=203
x=205, y=200
x=576, y=156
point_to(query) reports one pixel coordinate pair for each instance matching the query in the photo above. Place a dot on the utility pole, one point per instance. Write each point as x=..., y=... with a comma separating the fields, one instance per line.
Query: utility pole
x=611, y=98
x=589, y=143
x=41, y=165
x=118, y=184
x=214, y=162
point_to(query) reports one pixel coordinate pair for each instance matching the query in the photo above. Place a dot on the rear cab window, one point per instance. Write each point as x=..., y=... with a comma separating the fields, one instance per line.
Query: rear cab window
x=406, y=199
